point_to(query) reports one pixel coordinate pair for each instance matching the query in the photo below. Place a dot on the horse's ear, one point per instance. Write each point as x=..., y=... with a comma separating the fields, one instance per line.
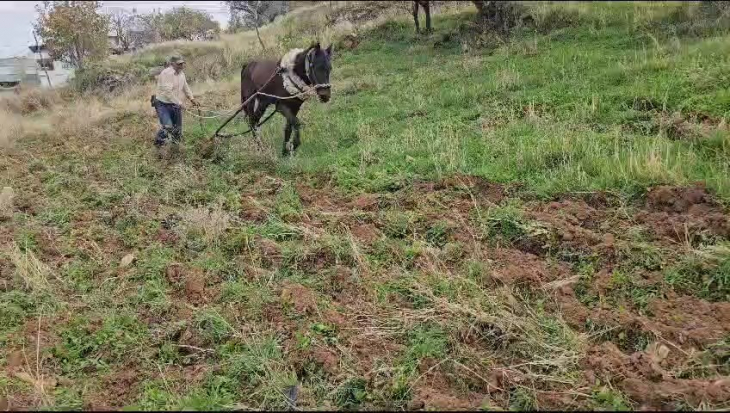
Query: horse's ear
x=329, y=50
x=316, y=46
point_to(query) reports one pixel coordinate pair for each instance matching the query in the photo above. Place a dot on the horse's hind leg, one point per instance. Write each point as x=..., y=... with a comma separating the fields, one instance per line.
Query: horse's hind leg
x=254, y=111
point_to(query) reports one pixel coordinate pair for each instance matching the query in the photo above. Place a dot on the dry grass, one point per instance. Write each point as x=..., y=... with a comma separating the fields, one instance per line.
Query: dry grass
x=412, y=298
x=29, y=100
x=211, y=222
x=35, y=274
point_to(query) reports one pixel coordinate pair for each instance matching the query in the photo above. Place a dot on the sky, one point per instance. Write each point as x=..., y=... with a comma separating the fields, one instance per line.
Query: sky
x=17, y=17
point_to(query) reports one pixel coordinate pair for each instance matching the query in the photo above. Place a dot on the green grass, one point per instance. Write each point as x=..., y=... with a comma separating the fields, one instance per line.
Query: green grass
x=564, y=110
x=704, y=273
x=432, y=291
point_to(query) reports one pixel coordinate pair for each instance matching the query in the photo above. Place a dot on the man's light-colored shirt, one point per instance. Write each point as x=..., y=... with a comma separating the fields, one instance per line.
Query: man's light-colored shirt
x=172, y=88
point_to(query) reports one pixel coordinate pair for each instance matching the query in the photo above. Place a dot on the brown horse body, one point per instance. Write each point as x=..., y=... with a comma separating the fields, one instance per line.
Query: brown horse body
x=311, y=66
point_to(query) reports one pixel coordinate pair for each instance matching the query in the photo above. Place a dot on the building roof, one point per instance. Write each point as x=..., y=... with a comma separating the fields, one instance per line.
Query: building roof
x=34, y=48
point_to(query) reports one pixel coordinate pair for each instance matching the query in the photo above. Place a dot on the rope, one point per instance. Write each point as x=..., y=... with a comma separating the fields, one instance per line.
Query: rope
x=193, y=114
x=310, y=90
x=250, y=130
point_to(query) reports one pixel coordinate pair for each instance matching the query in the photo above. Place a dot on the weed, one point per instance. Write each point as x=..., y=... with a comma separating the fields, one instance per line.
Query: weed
x=256, y=365
x=155, y=396
x=522, y=399
x=505, y=222
x=212, y=325
x=153, y=262
x=253, y=297
x=705, y=273
x=84, y=349
x=217, y=393
x=427, y=341
x=351, y=394
x=402, y=288
x=327, y=332
x=288, y=204
x=606, y=398
x=624, y=286
x=398, y=224
x=81, y=274
x=578, y=100
x=438, y=234
x=152, y=295
x=15, y=307
x=642, y=256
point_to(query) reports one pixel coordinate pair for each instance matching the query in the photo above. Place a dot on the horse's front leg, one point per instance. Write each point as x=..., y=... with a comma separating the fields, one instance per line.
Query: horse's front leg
x=292, y=125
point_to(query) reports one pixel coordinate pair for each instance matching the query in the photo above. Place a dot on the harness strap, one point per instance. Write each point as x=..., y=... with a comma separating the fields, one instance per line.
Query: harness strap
x=295, y=85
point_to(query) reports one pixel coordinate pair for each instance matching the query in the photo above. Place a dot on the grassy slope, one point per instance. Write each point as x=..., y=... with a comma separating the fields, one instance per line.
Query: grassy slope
x=471, y=113
x=234, y=297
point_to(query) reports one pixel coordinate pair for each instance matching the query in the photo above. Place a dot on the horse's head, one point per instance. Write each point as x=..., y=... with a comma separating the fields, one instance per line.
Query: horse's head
x=319, y=65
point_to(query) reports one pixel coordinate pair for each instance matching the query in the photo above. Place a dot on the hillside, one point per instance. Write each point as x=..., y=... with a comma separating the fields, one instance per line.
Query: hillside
x=537, y=222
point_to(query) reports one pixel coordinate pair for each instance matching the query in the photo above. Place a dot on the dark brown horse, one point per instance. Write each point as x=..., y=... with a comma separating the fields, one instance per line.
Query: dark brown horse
x=286, y=84
x=427, y=10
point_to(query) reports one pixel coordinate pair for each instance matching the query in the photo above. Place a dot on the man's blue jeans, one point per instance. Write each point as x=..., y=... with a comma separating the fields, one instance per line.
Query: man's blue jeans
x=170, y=116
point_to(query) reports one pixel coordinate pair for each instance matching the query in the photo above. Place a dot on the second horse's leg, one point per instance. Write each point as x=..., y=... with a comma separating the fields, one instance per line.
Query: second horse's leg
x=427, y=10
x=415, y=16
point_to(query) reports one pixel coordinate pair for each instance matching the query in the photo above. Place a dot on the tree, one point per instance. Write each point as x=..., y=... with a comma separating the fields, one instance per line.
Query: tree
x=186, y=23
x=74, y=31
x=121, y=24
x=256, y=13
x=235, y=22
x=150, y=26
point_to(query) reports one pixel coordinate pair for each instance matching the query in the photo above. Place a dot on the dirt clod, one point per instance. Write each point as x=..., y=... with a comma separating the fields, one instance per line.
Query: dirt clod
x=270, y=251
x=15, y=360
x=195, y=287
x=300, y=297
x=127, y=260
x=174, y=273
x=327, y=359
x=674, y=199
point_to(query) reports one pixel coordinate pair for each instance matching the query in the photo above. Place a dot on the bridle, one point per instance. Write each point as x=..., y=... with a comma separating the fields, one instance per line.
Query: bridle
x=309, y=70
x=295, y=85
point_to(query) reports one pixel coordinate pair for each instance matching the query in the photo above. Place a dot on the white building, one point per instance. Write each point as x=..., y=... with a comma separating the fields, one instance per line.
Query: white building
x=58, y=72
x=31, y=70
x=17, y=70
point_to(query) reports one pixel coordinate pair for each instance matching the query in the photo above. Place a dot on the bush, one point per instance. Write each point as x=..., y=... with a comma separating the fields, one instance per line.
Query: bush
x=29, y=100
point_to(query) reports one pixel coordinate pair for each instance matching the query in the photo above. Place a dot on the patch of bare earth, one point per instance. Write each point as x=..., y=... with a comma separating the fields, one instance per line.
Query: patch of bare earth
x=371, y=329
x=683, y=214
x=592, y=225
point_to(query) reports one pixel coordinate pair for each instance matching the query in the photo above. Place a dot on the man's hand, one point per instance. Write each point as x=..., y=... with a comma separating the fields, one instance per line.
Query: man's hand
x=195, y=102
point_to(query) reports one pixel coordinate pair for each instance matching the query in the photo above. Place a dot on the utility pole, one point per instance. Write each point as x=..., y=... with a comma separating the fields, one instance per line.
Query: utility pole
x=40, y=57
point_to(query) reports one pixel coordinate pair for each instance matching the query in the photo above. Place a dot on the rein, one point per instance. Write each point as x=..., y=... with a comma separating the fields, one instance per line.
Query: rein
x=290, y=80
x=294, y=84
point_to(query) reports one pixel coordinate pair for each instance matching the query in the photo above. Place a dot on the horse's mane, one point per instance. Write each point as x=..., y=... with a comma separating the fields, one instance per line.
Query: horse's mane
x=293, y=61
x=292, y=58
